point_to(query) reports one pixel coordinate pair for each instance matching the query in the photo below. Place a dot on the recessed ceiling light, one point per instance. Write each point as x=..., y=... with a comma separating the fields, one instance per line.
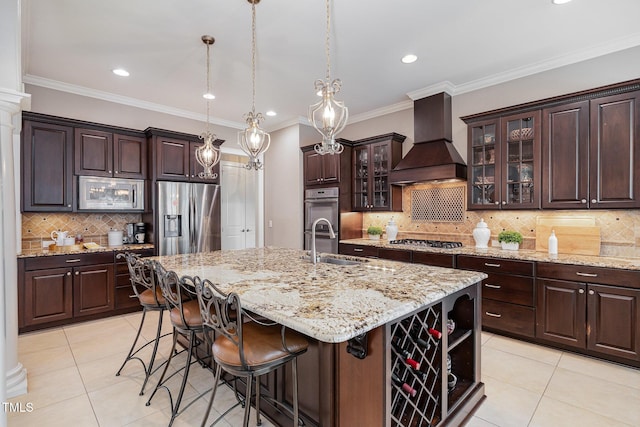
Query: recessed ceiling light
x=560, y=1
x=120, y=72
x=208, y=95
x=408, y=59
x=271, y=113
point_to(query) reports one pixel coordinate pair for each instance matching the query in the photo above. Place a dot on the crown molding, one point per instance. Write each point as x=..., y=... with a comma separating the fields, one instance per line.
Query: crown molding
x=399, y=106
x=300, y=120
x=125, y=100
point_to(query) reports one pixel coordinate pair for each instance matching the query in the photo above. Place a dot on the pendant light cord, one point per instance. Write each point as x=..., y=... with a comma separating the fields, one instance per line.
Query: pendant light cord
x=253, y=55
x=327, y=42
x=208, y=86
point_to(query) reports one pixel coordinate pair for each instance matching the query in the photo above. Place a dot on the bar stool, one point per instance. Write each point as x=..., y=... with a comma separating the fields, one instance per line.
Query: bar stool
x=246, y=349
x=151, y=299
x=184, y=313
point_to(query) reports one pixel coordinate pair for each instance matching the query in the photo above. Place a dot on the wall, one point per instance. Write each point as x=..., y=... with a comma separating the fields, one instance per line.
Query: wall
x=283, y=189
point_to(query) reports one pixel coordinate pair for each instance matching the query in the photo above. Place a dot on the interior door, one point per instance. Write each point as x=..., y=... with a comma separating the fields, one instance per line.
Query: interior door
x=238, y=205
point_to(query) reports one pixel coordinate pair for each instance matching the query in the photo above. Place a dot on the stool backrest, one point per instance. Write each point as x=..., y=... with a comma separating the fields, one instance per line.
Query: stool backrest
x=222, y=313
x=175, y=290
x=141, y=274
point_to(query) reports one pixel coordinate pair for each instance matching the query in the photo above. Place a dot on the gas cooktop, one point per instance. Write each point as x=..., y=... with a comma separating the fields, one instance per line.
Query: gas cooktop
x=429, y=243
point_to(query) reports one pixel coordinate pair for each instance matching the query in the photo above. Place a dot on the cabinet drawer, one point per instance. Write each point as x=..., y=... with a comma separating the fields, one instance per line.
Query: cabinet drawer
x=395, y=254
x=495, y=265
x=580, y=273
x=513, y=289
x=437, y=259
x=125, y=298
x=358, y=250
x=508, y=317
x=59, y=261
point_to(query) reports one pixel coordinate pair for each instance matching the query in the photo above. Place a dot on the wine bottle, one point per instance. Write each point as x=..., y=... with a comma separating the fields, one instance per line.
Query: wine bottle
x=407, y=356
x=435, y=333
x=415, y=337
x=406, y=387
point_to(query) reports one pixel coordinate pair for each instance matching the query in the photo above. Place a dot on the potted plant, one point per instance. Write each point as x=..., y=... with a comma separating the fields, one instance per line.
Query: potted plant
x=374, y=232
x=510, y=240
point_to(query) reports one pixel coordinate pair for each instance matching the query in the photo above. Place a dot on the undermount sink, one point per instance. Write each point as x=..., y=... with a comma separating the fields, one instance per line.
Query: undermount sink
x=339, y=261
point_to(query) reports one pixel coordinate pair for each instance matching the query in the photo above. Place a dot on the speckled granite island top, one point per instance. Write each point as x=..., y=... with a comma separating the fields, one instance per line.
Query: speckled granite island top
x=31, y=253
x=328, y=302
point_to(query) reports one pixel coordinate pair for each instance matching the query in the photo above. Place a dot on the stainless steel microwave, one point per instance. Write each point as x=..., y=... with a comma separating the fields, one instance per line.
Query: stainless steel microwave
x=107, y=194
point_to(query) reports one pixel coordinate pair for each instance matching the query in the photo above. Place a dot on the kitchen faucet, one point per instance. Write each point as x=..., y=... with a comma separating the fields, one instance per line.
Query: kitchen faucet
x=314, y=257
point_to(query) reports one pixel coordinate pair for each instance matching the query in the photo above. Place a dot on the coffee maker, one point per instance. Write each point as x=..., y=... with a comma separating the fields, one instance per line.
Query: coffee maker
x=129, y=233
x=140, y=230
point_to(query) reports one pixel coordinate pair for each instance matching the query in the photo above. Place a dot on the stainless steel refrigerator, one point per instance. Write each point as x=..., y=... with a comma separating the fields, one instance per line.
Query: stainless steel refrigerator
x=187, y=217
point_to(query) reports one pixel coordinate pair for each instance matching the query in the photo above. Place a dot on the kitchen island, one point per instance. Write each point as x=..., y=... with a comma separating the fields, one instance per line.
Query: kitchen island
x=352, y=314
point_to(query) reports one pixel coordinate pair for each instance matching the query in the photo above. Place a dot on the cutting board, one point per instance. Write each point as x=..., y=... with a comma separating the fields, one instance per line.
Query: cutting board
x=576, y=235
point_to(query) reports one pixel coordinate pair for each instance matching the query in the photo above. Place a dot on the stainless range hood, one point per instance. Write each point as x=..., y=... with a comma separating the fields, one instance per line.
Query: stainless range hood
x=433, y=156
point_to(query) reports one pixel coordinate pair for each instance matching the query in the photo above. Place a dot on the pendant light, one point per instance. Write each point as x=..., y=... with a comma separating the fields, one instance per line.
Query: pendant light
x=208, y=155
x=253, y=140
x=328, y=116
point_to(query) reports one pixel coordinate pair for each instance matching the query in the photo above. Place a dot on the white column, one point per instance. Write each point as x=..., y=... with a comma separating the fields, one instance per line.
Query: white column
x=13, y=376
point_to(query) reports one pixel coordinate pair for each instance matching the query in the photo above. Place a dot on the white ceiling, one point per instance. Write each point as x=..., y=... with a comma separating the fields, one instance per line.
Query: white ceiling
x=462, y=45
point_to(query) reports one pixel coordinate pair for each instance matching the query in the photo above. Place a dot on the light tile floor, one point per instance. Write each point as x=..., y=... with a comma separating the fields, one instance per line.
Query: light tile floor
x=71, y=376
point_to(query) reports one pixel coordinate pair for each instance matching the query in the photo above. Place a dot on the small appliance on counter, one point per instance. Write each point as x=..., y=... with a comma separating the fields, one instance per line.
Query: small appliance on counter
x=129, y=234
x=140, y=230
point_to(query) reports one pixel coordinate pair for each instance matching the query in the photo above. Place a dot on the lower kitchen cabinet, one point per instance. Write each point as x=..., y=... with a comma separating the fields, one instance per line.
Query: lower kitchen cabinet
x=581, y=308
x=59, y=289
x=508, y=303
x=357, y=250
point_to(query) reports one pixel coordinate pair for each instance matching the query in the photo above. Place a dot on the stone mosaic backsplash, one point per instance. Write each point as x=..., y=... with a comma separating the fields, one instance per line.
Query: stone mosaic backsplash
x=37, y=227
x=619, y=229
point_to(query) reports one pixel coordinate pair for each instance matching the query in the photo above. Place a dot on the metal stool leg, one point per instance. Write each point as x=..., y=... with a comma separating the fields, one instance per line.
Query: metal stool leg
x=294, y=367
x=153, y=353
x=213, y=395
x=247, y=406
x=176, y=408
x=133, y=346
x=166, y=367
x=258, y=420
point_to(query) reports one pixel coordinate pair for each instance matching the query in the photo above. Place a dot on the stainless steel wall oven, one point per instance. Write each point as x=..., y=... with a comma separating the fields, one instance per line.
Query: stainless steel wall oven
x=322, y=203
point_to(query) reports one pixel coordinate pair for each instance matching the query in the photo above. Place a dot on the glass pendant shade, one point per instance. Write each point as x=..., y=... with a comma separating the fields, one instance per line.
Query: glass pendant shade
x=328, y=116
x=208, y=155
x=253, y=140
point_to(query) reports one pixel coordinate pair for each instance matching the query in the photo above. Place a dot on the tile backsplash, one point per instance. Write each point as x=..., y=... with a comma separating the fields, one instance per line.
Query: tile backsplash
x=619, y=229
x=37, y=227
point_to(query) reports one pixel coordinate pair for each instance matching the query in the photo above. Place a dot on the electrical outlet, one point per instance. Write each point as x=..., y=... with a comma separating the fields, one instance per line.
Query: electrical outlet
x=270, y=224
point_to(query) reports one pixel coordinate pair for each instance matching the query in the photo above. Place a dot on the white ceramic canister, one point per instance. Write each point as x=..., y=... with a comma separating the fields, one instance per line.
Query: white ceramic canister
x=392, y=230
x=115, y=237
x=481, y=234
x=59, y=237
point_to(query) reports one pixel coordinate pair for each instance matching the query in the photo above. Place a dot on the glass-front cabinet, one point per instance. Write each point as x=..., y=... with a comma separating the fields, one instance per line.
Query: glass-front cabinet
x=373, y=159
x=504, y=158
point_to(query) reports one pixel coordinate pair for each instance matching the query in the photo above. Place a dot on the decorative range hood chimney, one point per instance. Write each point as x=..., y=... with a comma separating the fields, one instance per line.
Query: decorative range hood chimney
x=433, y=156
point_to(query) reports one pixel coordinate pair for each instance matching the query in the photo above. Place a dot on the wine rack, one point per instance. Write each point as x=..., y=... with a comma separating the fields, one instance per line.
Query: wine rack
x=416, y=389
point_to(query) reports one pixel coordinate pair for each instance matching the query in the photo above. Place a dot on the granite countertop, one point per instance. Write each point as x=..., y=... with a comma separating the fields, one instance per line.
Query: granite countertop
x=523, y=255
x=328, y=302
x=76, y=249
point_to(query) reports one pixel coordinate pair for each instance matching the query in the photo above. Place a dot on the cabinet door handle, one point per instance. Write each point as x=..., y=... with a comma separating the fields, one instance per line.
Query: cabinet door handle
x=73, y=260
x=358, y=250
x=488, y=313
x=77, y=273
x=591, y=292
x=116, y=171
x=248, y=230
x=497, y=203
x=583, y=201
x=68, y=273
x=581, y=291
x=586, y=274
x=594, y=201
x=488, y=264
x=109, y=171
x=488, y=285
x=504, y=202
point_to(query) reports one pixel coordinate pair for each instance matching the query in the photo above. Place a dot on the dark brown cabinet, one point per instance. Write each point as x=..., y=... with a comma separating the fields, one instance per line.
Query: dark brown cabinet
x=508, y=303
x=124, y=297
x=505, y=162
x=173, y=156
x=58, y=289
x=357, y=250
x=103, y=153
x=47, y=167
x=373, y=160
x=574, y=309
x=319, y=170
x=614, y=152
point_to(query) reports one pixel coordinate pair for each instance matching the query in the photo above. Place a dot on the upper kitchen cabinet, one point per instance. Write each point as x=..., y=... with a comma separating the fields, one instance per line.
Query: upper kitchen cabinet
x=591, y=157
x=503, y=154
x=327, y=170
x=614, y=151
x=107, y=154
x=173, y=156
x=47, y=167
x=373, y=160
